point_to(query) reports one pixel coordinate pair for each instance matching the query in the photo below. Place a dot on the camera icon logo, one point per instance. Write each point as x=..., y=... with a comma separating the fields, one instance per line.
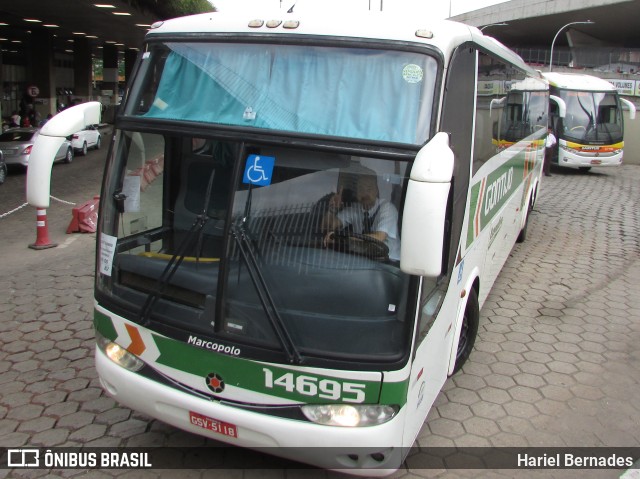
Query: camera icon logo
x=23, y=458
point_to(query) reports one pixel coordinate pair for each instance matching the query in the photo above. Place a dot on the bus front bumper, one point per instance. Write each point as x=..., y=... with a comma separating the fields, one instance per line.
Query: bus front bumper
x=365, y=451
x=582, y=161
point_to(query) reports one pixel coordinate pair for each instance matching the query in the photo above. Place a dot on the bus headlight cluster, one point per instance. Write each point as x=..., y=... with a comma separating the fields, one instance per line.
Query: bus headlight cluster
x=347, y=415
x=118, y=354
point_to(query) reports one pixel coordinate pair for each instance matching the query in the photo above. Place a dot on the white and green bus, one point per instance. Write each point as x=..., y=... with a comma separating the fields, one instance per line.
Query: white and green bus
x=591, y=132
x=226, y=305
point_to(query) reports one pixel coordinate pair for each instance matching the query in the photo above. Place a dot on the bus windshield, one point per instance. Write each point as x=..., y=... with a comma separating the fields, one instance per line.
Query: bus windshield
x=271, y=248
x=328, y=91
x=592, y=117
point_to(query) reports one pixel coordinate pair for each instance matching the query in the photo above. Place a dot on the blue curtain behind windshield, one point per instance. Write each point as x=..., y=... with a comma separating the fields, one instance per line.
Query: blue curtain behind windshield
x=353, y=93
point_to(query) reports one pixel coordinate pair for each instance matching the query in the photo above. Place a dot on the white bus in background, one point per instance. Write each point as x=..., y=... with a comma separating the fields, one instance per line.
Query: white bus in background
x=221, y=306
x=592, y=132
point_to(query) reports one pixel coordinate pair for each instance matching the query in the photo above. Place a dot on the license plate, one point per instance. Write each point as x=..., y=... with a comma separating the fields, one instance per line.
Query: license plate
x=211, y=424
x=596, y=162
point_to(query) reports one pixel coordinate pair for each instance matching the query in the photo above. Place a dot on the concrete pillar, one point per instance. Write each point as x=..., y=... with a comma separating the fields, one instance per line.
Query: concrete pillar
x=110, y=72
x=82, y=70
x=40, y=74
x=130, y=56
x=1, y=86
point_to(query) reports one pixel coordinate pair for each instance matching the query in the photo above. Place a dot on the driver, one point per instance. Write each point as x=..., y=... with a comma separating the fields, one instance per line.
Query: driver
x=371, y=216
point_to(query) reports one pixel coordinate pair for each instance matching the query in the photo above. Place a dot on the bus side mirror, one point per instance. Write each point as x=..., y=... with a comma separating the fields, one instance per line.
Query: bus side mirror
x=424, y=217
x=496, y=102
x=630, y=106
x=47, y=144
x=562, y=106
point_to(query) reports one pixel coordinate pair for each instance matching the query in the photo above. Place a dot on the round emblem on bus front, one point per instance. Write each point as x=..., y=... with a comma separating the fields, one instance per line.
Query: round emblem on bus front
x=215, y=383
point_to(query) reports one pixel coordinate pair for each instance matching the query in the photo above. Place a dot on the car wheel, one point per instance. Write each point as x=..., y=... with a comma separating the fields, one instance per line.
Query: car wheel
x=98, y=143
x=68, y=158
x=3, y=173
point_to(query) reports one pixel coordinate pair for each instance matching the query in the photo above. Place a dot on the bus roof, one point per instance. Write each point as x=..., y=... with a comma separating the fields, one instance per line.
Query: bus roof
x=578, y=81
x=443, y=34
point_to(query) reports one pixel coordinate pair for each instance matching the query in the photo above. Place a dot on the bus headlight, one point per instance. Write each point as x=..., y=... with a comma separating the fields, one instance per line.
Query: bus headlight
x=347, y=415
x=118, y=354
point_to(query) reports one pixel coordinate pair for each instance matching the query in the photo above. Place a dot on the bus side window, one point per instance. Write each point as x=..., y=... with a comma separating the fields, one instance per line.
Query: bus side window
x=492, y=121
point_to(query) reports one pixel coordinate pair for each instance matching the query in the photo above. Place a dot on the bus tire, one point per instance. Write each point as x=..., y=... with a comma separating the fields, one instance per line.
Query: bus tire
x=468, y=331
x=522, y=236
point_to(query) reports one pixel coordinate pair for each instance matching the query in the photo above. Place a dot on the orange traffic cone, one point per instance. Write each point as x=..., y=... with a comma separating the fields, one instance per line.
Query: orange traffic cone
x=42, y=239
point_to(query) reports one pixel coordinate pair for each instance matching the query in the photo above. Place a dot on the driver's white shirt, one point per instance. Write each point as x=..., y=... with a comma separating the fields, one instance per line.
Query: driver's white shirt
x=385, y=220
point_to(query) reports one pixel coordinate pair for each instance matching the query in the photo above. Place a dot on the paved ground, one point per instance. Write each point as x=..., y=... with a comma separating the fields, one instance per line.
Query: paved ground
x=556, y=362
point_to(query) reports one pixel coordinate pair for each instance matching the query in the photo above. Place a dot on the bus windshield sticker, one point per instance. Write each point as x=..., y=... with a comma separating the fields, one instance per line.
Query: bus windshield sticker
x=107, y=250
x=131, y=189
x=258, y=170
x=412, y=73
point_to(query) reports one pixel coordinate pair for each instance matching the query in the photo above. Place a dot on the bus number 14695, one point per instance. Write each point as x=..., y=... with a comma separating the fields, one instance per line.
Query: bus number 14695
x=313, y=386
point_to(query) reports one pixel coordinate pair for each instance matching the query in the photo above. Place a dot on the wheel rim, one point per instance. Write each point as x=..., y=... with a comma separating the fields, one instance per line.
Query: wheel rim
x=3, y=173
x=464, y=336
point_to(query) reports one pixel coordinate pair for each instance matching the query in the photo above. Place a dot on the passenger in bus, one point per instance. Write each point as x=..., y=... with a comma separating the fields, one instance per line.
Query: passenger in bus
x=371, y=216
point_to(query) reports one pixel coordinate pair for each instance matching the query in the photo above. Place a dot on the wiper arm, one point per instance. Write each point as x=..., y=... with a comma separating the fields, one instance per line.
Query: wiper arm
x=177, y=258
x=245, y=247
x=169, y=270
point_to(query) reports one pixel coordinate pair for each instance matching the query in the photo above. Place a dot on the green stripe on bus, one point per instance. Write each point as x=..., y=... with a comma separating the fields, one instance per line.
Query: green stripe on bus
x=295, y=385
x=269, y=379
x=501, y=185
x=104, y=325
x=394, y=393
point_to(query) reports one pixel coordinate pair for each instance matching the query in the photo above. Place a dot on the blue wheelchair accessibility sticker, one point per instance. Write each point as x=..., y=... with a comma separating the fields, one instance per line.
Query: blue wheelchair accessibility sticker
x=258, y=170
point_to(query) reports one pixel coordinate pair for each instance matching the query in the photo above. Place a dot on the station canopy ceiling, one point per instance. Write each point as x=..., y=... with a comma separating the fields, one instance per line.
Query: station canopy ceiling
x=101, y=21
x=616, y=23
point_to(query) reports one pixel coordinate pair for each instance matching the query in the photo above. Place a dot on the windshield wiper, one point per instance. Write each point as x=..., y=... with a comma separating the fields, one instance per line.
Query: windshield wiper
x=176, y=259
x=240, y=235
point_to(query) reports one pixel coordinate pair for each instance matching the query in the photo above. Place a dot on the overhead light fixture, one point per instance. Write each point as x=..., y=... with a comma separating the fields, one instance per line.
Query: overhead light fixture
x=3, y=24
x=144, y=25
x=122, y=14
x=32, y=20
x=79, y=33
x=91, y=36
x=51, y=25
x=103, y=5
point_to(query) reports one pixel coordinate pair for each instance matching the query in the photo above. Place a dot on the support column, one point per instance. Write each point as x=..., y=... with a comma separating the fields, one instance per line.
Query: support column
x=41, y=79
x=1, y=86
x=130, y=56
x=82, y=70
x=110, y=71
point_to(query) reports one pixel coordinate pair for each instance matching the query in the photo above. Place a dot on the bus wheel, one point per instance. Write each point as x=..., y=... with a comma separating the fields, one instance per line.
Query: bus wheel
x=584, y=169
x=522, y=236
x=469, y=330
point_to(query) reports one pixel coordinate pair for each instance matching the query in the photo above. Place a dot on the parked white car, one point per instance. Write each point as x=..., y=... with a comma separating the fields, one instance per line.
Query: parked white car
x=82, y=140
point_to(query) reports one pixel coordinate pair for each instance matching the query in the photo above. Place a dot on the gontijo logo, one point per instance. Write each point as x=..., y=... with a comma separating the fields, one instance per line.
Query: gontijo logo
x=497, y=190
